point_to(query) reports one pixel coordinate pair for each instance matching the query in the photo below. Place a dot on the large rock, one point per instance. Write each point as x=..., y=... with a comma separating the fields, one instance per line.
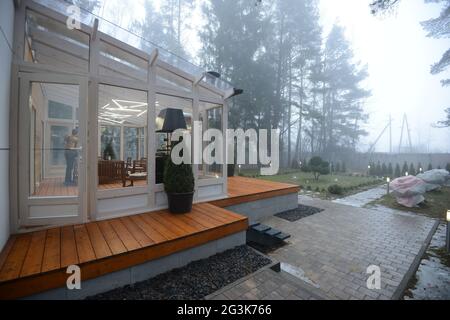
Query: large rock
x=435, y=178
x=408, y=190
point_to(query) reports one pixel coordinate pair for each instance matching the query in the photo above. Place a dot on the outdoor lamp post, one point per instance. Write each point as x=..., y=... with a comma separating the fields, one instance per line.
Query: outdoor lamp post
x=388, y=180
x=420, y=169
x=368, y=170
x=406, y=173
x=239, y=169
x=447, y=243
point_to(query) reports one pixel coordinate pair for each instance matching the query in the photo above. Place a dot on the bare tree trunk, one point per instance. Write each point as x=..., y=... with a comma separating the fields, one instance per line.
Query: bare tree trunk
x=289, y=109
x=313, y=124
x=298, y=145
x=331, y=123
x=323, y=134
x=279, y=68
x=179, y=23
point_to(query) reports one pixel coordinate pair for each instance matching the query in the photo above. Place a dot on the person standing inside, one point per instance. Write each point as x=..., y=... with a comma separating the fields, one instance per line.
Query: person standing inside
x=70, y=153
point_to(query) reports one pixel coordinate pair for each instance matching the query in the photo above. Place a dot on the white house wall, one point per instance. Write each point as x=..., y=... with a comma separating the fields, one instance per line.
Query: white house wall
x=6, y=43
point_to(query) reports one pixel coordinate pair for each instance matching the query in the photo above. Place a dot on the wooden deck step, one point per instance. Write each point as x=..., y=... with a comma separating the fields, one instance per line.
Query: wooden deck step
x=242, y=189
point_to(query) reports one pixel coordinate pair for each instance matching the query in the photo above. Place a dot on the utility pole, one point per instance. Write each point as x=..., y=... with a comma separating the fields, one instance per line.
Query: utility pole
x=401, y=136
x=405, y=124
x=409, y=134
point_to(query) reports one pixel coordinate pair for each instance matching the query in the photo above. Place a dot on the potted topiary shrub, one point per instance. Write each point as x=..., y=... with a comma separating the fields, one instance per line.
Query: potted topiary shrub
x=230, y=170
x=179, y=186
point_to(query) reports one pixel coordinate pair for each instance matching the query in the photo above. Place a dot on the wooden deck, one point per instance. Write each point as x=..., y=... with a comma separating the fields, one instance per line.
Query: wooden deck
x=242, y=189
x=35, y=262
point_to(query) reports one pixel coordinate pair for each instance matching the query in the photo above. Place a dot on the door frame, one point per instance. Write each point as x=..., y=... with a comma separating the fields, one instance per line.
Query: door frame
x=25, y=199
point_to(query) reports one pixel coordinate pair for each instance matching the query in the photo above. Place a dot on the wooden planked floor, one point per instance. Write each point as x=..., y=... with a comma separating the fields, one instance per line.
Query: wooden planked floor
x=55, y=187
x=243, y=189
x=240, y=189
x=37, y=261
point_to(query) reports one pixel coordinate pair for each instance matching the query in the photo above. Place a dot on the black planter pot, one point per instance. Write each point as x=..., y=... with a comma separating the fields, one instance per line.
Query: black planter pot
x=230, y=170
x=180, y=202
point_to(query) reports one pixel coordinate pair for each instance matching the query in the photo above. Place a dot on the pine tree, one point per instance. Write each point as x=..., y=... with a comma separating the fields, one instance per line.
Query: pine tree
x=445, y=123
x=439, y=28
x=344, y=168
x=245, y=57
x=390, y=170
x=378, y=171
x=164, y=27
x=447, y=167
x=338, y=167
x=384, y=170
x=430, y=167
x=404, y=169
x=412, y=170
x=419, y=168
x=397, y=172
x=342, y=94
x=371, y=169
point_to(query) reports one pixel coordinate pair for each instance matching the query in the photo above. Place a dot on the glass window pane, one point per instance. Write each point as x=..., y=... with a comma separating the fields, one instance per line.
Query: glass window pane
x=131, y=143
x=57, y=136
x=142, y=143
x=115, y=62
x=58, y=110
x=110, y=142
x=170, y=80
x=54, y=142
x=206, y=93
x=122, y=115
x=50, y=42
x=163, y=103
x=211, y=117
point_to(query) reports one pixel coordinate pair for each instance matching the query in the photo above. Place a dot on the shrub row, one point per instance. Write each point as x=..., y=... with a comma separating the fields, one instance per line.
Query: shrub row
x=388, y=170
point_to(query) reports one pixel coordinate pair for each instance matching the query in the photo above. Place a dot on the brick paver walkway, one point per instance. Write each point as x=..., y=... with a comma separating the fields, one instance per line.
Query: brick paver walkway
x=267, y=284
x=335, y=247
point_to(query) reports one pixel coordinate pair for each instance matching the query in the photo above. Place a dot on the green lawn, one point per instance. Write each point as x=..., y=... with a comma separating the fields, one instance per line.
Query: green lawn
x=436, y=203
x=305, y=180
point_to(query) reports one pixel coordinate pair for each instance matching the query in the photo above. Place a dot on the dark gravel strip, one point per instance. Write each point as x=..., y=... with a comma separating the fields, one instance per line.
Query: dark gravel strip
x=194, y=281
x=298, y=213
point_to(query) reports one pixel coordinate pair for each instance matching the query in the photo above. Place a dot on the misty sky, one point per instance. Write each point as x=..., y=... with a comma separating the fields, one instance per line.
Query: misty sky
x=398, y=54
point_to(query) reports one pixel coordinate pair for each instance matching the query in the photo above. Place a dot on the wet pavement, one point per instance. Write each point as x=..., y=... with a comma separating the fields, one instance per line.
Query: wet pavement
x=334, y=248
x=362, y=198
x=432, y=279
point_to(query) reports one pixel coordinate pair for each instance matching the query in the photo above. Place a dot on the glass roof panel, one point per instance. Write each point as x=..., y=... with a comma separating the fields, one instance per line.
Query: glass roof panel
x=136, y=41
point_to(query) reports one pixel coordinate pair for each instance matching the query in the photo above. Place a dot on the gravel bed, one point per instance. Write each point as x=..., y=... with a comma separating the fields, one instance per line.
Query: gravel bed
x=298, y=213
x=194, y=281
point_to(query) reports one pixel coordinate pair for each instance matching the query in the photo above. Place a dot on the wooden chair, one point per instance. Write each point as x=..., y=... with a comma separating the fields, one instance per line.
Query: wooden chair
x=139, y=166
x=111, y=171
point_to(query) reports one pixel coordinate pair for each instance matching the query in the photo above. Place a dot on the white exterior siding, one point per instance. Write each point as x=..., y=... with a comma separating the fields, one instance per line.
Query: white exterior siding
x=6, y=43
